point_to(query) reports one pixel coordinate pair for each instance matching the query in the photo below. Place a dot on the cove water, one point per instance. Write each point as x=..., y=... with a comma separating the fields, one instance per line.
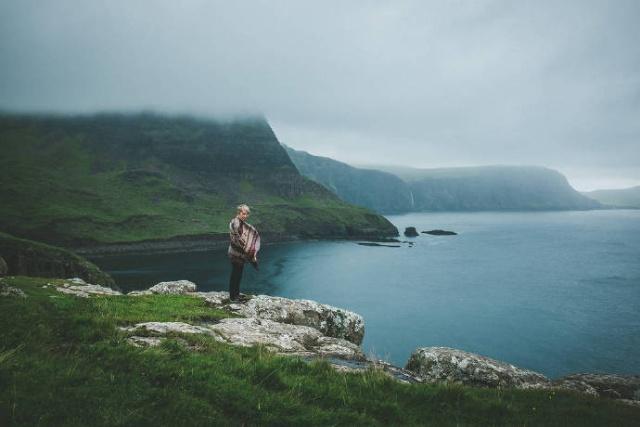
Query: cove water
x=555, y=292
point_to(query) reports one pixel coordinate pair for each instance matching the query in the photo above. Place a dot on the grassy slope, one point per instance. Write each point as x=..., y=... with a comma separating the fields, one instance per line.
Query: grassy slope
x=104, y=179
x=29, y=258
x=63, y=362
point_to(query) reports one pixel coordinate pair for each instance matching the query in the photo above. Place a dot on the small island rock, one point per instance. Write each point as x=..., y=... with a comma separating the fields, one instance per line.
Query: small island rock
x=410, y=232
x=440, y=233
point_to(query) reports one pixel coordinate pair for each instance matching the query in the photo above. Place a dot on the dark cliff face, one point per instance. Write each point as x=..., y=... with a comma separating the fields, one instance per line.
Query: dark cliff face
x=453, y=189
x=376, y=190
x=124, y=178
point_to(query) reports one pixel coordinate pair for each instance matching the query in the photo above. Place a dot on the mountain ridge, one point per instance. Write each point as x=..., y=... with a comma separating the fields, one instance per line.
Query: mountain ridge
x=482, y=188
x=88, y=180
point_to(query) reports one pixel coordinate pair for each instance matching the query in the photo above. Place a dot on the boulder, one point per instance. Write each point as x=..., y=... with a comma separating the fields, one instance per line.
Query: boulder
x=331, y=321
x=177, y=287
x=410, y=232
x=443, y=364
x=603, y=385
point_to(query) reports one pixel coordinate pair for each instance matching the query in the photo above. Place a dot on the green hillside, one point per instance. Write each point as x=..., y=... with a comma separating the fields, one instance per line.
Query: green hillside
x=86, y=180
x=622, y=198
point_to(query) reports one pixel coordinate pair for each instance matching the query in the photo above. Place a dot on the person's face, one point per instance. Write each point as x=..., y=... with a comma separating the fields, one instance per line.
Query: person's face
x=243, y=215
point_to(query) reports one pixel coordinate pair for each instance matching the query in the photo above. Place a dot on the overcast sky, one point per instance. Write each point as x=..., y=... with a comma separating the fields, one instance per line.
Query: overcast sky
x=422, y=83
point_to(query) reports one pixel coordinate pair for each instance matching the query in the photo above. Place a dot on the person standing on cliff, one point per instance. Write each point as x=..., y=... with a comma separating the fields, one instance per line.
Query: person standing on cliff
x=243, y=247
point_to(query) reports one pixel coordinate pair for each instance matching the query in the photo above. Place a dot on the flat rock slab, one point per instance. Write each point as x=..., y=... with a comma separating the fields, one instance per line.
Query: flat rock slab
x=278, y=337
x=85, y=289
x=443, y=364
x=330, y=321
x=176, y=287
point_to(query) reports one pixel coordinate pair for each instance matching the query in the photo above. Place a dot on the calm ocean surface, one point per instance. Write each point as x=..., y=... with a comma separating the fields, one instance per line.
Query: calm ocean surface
x=556, y=292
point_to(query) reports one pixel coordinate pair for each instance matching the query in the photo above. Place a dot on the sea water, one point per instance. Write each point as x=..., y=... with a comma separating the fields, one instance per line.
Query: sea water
x=555, y=292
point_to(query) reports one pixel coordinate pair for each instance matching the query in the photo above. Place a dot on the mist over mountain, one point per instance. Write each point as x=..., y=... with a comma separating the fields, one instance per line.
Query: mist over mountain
x=400, y=189
x=107, y=178
x=619, y=198
x=380, y=191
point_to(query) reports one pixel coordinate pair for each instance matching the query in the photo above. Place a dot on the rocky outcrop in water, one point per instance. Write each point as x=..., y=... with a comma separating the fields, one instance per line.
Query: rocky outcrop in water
x=411, y=232
x=440, y=232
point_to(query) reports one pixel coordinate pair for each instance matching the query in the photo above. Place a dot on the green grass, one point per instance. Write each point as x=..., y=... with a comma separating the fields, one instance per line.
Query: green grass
x=75, y=181
x=64, y=362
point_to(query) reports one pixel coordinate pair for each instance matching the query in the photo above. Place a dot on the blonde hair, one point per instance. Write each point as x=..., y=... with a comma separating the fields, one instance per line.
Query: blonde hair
x=243, y=207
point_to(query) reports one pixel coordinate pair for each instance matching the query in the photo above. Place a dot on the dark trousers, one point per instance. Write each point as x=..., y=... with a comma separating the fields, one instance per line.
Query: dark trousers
x=234, y=280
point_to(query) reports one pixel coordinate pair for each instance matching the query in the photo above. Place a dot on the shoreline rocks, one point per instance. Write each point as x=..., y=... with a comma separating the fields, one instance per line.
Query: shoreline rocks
x=309, y=329
x=444, y=364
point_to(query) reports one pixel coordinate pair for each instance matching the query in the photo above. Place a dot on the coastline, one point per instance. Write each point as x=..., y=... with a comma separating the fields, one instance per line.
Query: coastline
x=200, y=243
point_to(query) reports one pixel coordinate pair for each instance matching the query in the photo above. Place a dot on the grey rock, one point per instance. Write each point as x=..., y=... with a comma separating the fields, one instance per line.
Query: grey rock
x=168, y=327
x=411, y=232
x=443, y=364
x=177, y=287
x=85, y=290
x=10, y=291
x=76, y=281
x=277, y=337
x=4, y=268
x=331, y=321
x=605, y=385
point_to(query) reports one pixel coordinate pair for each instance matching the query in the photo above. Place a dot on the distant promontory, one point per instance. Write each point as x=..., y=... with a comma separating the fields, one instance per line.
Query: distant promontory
x=388, y=189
